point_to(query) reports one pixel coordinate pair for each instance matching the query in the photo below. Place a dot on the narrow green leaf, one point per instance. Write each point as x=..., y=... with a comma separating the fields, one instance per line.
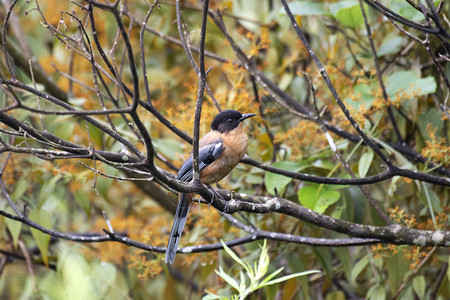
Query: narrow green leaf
x=235, y=257
x=212, y=296
x=228, y=278
x=323, y=255
x=263, y=263
x=19, y=189
x=43, y=218
x=429, y=197
x=343, y=255
x=13, y=226
x=269, y=277
x=47, y=189
x=103, y=185
x=360, y=265
x=364, y=163
x=287, y=277
x=242, y=286
x=83, y=201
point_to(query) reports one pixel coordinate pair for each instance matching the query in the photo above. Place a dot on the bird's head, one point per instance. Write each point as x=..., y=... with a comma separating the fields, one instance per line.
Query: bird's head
x=227, y=120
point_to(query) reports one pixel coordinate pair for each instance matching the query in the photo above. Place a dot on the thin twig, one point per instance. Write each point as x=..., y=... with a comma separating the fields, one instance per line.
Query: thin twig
x=413, y=274
x=379, y=76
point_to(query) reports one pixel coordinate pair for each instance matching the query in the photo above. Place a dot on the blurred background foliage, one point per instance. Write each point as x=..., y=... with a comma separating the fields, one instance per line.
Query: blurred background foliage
x=65, y=196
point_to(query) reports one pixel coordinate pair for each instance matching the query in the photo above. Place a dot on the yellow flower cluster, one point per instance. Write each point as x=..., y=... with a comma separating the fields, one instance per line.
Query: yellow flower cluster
x=435, y=148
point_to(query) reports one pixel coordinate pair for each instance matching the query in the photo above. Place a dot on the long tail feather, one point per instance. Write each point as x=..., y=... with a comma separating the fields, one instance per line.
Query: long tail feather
x=177, y=227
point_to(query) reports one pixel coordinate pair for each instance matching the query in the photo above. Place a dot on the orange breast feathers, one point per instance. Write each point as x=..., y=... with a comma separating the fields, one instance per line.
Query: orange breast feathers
x=235, y=143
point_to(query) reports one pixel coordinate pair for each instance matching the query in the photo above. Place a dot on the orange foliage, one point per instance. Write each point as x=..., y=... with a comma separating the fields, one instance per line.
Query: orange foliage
x=414, y=254
x=147, y=228
x=298, y=138
x=435, y=148
x=399, y=216
x=258, y=44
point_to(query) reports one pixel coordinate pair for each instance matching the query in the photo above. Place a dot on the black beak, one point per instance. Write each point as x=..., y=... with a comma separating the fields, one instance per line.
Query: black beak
x=246, y=116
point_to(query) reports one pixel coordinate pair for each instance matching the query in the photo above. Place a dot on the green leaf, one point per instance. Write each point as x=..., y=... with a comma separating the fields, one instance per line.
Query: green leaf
x=47, y=189
x=287, y=277
x=339, y=5
x=42, y=218
x=269, y=277
x=343, y=255
x=76, y=274
x=263, y=264
x=19, y=189
x=242, y=287
x=350, y=16
x=407, y=11
x=228, y=278
x=364, y=163
x=277, y=181
x=64, y=126
x=212, y=296
x=419, y=285
x=299, y=89
x=252, y=179
x=399, y=81
x=13, y=226
x=83, y=201
x=391, y=46
x=360, y=265
x=429, y=197
x=77, y=102
x=376, y=292
x=105, y=274
x=103, y=185
x=397, y=268
x=317, y=197
x=323, y=255
x=410, y=83
x=363, y=93
x=432, y=117
x=171, y=148
x=235, y=257
x=306, y=8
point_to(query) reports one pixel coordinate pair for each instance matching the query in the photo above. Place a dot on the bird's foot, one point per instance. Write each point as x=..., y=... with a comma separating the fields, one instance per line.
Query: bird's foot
x=214, y=196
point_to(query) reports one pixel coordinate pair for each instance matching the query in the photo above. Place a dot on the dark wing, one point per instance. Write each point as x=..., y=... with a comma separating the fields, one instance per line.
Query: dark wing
x=206, y=155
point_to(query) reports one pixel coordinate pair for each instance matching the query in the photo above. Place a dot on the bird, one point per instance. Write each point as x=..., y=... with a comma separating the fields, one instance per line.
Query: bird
x=220, y=150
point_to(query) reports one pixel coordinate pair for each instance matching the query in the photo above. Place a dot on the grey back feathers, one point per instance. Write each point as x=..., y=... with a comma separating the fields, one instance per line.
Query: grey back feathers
x=206, y=155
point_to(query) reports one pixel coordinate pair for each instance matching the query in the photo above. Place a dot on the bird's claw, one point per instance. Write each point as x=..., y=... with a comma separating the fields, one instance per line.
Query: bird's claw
x=214, y=195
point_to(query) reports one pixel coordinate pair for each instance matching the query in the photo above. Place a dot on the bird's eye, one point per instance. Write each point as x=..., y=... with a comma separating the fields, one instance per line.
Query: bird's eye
x=230, y=120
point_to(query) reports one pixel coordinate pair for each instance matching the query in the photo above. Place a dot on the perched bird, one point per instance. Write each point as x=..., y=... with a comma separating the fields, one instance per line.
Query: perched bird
x=220, y=150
